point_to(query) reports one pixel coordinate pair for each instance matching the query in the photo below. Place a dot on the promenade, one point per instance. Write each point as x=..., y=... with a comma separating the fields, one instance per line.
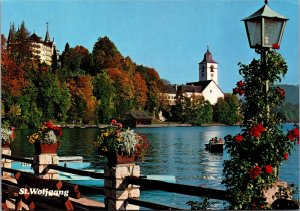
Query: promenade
x=83, y=201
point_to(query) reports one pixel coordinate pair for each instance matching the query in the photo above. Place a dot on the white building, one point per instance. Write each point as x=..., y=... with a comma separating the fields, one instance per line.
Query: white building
x=207, y=86
x=43, y=49
x=208, y=79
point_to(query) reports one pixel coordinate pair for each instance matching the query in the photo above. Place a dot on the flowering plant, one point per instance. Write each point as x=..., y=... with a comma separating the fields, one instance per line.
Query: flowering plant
x=7, y=135
x=46, y=134
x=257, y=152
x=114, y=139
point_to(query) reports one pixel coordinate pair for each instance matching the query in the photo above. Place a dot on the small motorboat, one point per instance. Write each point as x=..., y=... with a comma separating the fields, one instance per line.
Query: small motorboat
x=215, y=145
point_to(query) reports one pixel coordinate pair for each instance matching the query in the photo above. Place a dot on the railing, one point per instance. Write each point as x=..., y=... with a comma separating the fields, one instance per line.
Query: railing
x=140, y=181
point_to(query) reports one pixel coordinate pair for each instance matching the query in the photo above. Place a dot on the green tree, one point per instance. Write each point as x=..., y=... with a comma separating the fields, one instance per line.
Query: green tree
x=200, y=112
x=54, y=64
x=22, y=46
x=105, y=93
x=227, y=110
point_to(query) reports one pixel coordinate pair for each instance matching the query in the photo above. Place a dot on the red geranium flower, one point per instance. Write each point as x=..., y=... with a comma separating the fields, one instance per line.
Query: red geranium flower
x=113, y=121
x=238, y=138
x=280, y=92
x=261, y=128
x=235, y=91
x=295, y=132
x=286, y=156
x=241, y=91
x=240, y=84
x=254, y=172
x=257, y=130
x=275, y=46
x=49, y=125
x=268, y=169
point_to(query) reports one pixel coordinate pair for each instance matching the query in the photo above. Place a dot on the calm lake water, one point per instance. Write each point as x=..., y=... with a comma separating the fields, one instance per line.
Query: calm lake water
x=178, y=151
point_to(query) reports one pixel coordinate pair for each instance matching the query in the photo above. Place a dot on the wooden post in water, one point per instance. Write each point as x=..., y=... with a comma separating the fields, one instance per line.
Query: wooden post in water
x=116, y=191
x=40, y=163
x=5, y=162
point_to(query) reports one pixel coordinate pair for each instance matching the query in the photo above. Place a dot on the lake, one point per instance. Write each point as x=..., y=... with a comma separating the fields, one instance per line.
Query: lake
x=178, y=151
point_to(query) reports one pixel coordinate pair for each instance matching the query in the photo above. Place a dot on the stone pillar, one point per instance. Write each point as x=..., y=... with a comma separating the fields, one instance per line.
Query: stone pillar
x=116, y=191
x=40, y=163
x=5, y=162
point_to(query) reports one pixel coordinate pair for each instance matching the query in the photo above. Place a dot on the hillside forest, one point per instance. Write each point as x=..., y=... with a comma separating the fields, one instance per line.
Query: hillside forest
x=82, y=87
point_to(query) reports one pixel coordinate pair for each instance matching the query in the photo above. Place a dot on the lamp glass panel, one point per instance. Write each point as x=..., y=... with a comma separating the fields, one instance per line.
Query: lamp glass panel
x=272, y=32
x=254, y=32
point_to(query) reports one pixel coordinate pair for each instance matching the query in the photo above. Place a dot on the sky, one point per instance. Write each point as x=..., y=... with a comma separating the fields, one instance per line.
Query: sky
x=168, y=35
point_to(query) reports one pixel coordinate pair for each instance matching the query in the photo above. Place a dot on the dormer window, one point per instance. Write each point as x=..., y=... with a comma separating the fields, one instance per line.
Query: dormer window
x=212, y=68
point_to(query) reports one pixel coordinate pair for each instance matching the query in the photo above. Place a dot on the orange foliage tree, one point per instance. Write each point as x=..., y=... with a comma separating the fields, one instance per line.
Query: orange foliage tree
x=83, y=102
x=13, y=77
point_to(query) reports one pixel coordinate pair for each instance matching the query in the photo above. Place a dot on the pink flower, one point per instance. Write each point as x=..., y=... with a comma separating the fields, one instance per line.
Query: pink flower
x=268, y=169
x=119, y=125
x=113, y=122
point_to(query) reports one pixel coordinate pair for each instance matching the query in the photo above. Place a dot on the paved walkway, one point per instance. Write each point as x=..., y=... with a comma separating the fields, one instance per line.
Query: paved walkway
x=82, y=201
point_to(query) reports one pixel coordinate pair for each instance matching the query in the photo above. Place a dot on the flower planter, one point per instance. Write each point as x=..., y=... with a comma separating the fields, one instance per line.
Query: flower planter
x=114, y=159
x=5, y=145
x=41, y=148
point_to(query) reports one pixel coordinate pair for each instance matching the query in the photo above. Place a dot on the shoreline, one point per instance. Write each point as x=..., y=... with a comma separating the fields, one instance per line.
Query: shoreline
x=155, y=125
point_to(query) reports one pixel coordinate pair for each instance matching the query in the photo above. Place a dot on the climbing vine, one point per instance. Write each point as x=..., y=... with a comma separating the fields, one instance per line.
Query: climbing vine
x=257, y=152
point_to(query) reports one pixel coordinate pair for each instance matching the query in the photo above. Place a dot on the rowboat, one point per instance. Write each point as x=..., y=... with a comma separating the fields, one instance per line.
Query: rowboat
x=214, y=147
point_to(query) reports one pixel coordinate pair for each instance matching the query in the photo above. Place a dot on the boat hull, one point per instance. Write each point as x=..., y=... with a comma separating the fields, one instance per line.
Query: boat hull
x=214, y=147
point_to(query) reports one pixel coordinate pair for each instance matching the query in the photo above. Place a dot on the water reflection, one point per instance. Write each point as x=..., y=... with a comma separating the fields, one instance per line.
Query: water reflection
x=178, y=151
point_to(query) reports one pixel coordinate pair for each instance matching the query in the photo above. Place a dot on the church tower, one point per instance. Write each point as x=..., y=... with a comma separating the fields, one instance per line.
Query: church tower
x=208, y=68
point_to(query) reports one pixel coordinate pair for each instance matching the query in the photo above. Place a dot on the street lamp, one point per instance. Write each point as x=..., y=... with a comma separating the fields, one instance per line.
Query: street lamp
x=265, y=28
x=264, y=31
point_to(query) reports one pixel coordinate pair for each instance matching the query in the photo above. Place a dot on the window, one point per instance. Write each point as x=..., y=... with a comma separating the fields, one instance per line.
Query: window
x=203, y=69
x=212, y=68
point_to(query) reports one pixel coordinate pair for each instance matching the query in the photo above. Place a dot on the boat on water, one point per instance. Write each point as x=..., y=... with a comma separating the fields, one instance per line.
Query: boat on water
x=215, y=145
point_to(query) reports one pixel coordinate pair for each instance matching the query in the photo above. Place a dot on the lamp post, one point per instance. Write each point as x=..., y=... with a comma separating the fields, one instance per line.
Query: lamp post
x=264, y=31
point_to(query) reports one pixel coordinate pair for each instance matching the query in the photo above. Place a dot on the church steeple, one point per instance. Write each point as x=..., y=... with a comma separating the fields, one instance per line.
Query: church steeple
x=208, y=68
x=47, y=37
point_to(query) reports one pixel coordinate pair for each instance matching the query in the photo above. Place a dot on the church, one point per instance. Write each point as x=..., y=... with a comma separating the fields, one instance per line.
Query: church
x=207, y=86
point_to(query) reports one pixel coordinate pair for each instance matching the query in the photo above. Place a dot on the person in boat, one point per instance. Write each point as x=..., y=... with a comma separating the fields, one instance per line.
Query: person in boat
x=220, y=141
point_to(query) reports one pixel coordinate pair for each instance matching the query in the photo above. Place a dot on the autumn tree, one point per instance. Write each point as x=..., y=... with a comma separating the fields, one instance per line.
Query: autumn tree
x=106, y=55
x=13, y=76
x=86, y=59
x=141, y=90
x=83, y=107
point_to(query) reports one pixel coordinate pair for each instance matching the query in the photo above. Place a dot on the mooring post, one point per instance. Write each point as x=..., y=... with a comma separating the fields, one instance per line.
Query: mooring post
x=40, y=163
x=5, y=162
x=116, y=190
